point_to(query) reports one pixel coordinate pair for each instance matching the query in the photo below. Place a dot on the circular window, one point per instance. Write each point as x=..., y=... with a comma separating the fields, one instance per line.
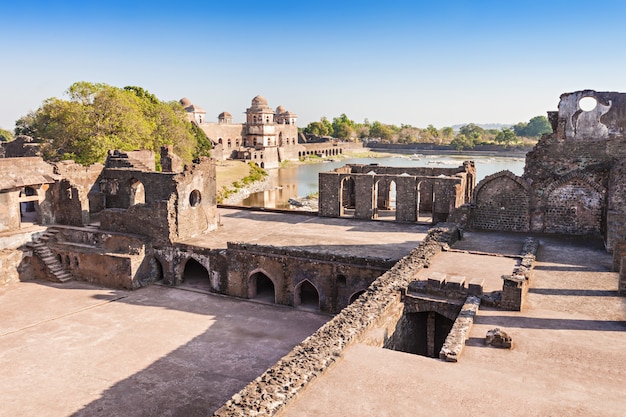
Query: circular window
x=195, y=198
x=587, y=103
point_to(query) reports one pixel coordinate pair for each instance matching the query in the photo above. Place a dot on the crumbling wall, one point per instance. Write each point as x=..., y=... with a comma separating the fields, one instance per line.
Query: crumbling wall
x=368, y=319
x=574, y=178
x=368, y=189
x=336, y=278
x=501, y=202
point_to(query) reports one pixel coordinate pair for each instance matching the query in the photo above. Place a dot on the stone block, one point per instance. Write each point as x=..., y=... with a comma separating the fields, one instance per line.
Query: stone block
x=475, y=286
x=455, y=283
x=436, y=280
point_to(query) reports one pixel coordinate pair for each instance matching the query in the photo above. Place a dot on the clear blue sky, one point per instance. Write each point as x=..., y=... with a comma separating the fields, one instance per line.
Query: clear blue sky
x=414, y=62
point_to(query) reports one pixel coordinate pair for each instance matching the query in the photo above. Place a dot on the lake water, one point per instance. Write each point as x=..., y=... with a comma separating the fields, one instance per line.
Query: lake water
x=301, y=180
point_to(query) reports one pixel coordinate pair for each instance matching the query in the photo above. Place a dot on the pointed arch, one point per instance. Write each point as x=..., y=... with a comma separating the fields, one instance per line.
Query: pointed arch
x=137, y=192
x=306, y=295
x=196, y=275
x=261, y=286
x=355, y=295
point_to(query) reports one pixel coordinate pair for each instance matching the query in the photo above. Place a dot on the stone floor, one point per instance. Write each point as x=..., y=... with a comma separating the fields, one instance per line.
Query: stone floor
x=342, y=236
x=79, y=350
x=568, y=357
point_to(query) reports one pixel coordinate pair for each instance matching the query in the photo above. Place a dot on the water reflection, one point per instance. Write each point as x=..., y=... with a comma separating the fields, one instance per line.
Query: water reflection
x=301, y=180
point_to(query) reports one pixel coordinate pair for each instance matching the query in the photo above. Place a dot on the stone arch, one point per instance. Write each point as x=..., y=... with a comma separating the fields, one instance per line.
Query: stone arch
x=261, y=286
x=501, y=202
x=306, y=295
x=156, y=269
x=137, y=192
x=346, y=195
x=355, y=295
x=575, y=205
x=195, y=274
x=424, y=203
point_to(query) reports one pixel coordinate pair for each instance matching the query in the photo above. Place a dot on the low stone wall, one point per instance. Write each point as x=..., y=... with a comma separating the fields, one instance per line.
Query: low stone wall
x=271, y=392
x=516, y=285
x=455, y=342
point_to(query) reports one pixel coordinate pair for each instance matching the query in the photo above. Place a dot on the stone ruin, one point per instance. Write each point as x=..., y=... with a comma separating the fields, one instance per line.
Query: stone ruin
x=410, y=194
x=573, y=181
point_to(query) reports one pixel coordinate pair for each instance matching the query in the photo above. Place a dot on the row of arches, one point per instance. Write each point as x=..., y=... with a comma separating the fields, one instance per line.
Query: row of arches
x=383, y=201
x=321, y=152
x=574, y=204
x=260, y=286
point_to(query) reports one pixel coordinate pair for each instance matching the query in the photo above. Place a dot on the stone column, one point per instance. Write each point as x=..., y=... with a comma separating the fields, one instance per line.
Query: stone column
x=430, y=334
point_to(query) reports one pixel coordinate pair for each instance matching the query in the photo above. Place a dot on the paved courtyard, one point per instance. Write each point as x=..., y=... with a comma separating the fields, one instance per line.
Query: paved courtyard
x=342, y=236
x=78, y=350
x=568, y=358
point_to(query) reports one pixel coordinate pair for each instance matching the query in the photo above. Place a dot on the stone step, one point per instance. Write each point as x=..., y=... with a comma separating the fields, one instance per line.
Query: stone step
x=455, y=283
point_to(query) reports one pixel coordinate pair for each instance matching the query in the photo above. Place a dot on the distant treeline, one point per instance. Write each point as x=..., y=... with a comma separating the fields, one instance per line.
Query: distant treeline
x=468, y=136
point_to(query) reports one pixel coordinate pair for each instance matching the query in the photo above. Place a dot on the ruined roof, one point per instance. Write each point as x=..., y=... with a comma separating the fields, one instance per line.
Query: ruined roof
x=23, y=172
x=224, y=114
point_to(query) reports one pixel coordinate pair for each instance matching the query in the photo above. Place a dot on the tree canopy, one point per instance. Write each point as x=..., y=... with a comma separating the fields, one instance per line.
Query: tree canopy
x=536, y=127
x=6, y=135
x=99, y=117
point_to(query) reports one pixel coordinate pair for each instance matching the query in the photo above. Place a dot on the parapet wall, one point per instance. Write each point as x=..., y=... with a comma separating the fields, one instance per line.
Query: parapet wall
x=379, y=306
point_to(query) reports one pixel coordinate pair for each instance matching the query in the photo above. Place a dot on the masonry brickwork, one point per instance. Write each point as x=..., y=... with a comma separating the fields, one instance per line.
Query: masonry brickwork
x=408, y=191
x=573, y=180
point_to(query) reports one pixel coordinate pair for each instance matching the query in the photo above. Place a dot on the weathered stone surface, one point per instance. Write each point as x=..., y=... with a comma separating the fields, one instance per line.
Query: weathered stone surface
x=498, y=338
x=280, y=384
x=573, y=178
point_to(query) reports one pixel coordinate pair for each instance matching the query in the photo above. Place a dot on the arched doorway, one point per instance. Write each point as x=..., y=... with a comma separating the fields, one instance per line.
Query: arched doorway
x=307, y=296
x=346, y=197
x=28, y=201
x=354, y=296
x=261, y=288
x=425, y=202
x=137, y=193
x=196, y=276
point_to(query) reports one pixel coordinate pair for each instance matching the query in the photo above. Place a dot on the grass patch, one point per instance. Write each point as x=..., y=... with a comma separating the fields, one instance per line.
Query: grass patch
x=255, y=173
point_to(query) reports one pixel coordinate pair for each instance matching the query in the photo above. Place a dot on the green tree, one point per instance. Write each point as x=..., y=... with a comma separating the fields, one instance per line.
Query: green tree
x=462, y=141
x=6, y=135
x=382, y=131
x=473, y=133
x=506, y=137
x=99, y=117
x=343, y=127
x=447, y=133
x=536, y=127
x=317, y=129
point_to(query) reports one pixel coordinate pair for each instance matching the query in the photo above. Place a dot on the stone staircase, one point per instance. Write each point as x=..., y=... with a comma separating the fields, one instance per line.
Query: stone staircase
x=41, y=249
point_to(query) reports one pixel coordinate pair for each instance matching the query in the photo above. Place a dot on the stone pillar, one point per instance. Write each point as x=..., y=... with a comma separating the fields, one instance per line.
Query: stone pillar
x=364, y=195
x=329, y=193
x=430, y=334
x=621, y=289
x=406, y=199
x=513, y=291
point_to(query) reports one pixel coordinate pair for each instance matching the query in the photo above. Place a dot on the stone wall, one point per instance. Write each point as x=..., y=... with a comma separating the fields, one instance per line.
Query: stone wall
x=408, y=191
x=113, y=260
x=174, y=206
x=368, y=319
x=501, y=202
x=336, y=278
x=573, y=180
x=69, y=198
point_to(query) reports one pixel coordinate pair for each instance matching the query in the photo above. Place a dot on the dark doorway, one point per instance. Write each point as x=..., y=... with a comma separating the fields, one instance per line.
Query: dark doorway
x=196, y=276
x=421, y=333
x=307, y=296
x=355, y=296
x=261, y=288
